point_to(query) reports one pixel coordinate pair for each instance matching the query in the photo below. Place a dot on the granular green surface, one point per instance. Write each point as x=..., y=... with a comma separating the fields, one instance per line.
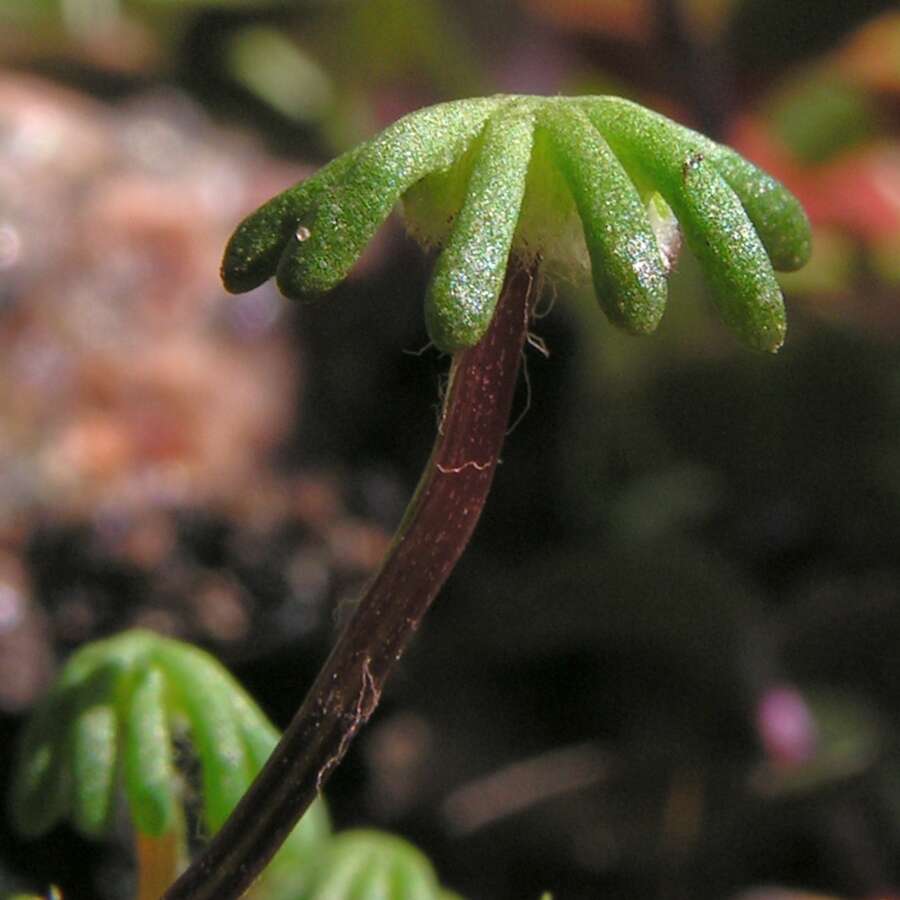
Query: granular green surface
x=537, y=178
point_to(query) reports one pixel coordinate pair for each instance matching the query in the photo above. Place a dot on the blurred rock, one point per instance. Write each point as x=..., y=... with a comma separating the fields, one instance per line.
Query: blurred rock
x=25, y=660
x=141, y=406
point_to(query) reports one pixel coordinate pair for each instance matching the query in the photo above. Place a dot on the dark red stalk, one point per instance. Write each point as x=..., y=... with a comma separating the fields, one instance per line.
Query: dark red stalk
x=433, y=534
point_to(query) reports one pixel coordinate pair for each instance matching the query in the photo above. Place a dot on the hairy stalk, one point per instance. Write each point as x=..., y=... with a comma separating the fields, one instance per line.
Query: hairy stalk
x=433, y=534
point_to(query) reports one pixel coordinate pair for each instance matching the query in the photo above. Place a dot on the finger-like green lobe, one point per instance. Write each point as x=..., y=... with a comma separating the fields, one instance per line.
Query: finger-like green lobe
x=718, y=230
x=626, y=262
x=115, y=700
x=66, y=764
x=775, y=212
x=458, y=171
x=470, y=270
x=252, y=254
x=258, y=735
x=150, y=782
x=203, y=687
x=94, y=754
x=365, y=865
x=40, y=784
x=348, y=216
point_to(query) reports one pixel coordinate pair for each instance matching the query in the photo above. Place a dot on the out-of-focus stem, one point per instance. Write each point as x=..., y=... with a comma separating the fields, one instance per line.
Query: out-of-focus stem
x=158, y=859
x=433, y=534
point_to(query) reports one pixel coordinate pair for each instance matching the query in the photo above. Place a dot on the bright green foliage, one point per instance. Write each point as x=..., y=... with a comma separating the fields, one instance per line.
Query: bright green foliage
x=538, y=177
x=112, y=715
x=627, y=265
x=371, y=865
x=148, y=772
x=470, y=269
x=715, y=215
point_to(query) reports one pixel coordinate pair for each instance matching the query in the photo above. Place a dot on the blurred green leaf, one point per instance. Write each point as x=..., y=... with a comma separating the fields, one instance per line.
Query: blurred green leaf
x=831, y=267
x=821, y=116
x=279, y=73
x=371, y=865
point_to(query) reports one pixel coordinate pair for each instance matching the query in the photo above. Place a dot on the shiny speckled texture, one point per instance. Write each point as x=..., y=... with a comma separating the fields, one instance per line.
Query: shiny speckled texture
x=776, y=214
x=470, y=269
x=589, y=163
x=382, y=170
x=716, y=226
x=256, y=246
x=626, y=262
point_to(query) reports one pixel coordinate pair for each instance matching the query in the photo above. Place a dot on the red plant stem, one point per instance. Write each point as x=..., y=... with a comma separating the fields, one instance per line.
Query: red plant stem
x=434, y=532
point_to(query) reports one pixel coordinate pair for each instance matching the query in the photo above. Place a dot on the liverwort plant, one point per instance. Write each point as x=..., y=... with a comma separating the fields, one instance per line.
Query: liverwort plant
x=502, y=186
x=115, y=725
x=120, y=731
